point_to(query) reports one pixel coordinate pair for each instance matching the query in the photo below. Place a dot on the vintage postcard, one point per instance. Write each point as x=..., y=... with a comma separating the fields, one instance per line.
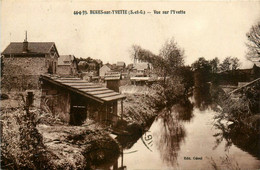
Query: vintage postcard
x=130, y=84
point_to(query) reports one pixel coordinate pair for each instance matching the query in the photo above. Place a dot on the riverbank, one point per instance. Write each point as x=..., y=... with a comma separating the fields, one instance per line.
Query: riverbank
x=139, y=114
x=39, y=140
x=35, y=139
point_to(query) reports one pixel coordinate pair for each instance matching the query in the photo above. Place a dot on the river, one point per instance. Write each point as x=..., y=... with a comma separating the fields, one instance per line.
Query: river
x=186, y=142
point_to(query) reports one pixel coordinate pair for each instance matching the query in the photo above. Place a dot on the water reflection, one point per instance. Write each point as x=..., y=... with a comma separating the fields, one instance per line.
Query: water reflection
x=183, y=110
x=172, y=134
x=241, y=136
x=202, y=96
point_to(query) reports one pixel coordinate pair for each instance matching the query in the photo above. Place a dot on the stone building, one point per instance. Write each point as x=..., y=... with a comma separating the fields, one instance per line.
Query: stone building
x=140, y=70
x=24, y=62
x=120, y=66
x=67, y=65
x=103, y=70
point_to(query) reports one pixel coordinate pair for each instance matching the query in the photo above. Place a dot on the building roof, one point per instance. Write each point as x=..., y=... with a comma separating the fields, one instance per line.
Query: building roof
x=66, y=59
x=141, y=66
x=140, y=78
x=120, y=64
x=115, y=76
x=105, y=66
x=33, y=48
x=84, y=88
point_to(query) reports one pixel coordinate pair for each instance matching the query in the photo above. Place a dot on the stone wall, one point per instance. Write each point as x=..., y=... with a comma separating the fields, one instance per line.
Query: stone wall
x=22, y=73
x=57, y=101
x=24, y=66
x=64, y=70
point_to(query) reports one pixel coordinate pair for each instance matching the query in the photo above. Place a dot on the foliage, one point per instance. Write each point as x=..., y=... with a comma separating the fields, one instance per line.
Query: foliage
x=187, y=76
x=201, y=64
x=34, y=139
x=98, y=63
x=202, y=69
x=169, y=93
x=173, y=57
x=134, y=51
x=21, y=144
x=229, y=63
x=214, y=65
x=241, y=110
x=169, y=60
x=253, y=44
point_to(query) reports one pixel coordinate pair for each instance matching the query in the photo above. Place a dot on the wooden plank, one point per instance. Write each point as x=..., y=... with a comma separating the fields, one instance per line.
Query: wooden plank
x=107, y=94
x=100, y=92
x=95, y=89
x=69, y=78
x=50, y=80
x=76, y=84
x=71, y=81
x=86, y=87
x=114, y=97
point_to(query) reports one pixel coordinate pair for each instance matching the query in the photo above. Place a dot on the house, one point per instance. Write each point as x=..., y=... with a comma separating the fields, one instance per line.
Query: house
x=74, y=100
x=120, y=66
x=24, y=62
x=67, y=65
x=140, y=69
x=103, y=70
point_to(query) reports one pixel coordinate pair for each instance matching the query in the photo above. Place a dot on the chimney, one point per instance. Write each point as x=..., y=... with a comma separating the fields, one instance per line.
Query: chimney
x=113, y=82
x=25, y=44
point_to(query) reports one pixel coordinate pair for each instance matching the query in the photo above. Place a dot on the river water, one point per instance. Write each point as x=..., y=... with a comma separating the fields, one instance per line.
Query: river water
x=186, y=142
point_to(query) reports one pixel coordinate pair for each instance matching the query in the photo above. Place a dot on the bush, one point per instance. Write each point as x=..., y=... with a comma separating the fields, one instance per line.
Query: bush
x=21, y=144
x=169, y=93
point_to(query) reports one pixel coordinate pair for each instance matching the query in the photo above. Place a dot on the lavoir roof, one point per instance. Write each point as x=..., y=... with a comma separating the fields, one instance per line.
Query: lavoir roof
x=82, y=87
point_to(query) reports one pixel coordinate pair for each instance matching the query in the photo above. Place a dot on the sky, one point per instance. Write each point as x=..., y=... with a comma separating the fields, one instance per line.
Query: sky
x=207, y=29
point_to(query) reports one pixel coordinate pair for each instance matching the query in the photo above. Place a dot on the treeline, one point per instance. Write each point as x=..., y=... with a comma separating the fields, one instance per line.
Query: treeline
x=89, y=64
x=169, y=64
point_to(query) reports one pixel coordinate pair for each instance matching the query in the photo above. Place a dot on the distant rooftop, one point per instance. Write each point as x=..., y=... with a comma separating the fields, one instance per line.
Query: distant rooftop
x=141, y=66
x=120, y=64
x=65, y=59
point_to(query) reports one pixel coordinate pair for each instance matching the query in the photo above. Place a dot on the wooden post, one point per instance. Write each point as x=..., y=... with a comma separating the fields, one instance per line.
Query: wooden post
x=122, y=158
x=106, y=115
x=122, y=111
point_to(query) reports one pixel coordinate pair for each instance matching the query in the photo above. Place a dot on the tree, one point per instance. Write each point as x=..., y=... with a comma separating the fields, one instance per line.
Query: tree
x=226, y=64
x=230, y=63
x=173, y=57
x=201, y=64
x=134, y=52
x=202, y=70
x=253, y=44
x=214, y=63
x=165, y=64
x=235, y=63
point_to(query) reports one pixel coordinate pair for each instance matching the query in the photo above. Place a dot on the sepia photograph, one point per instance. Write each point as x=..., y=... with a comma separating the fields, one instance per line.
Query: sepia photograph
x=127, y=85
